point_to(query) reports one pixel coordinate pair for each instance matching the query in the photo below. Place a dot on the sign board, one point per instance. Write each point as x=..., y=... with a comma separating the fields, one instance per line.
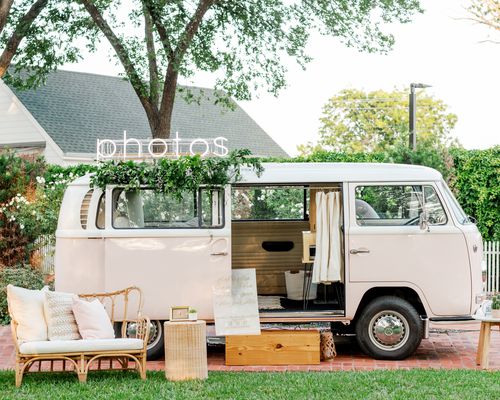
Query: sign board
x=236, y=308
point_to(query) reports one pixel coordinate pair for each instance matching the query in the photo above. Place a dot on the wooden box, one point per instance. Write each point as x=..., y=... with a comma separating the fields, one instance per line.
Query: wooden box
x=274, y=348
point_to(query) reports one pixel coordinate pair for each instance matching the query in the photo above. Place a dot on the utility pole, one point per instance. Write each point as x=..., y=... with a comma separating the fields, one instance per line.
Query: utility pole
x=412, y=109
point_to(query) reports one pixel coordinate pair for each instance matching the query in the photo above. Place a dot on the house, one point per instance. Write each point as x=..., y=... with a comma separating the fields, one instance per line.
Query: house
x=64, y=118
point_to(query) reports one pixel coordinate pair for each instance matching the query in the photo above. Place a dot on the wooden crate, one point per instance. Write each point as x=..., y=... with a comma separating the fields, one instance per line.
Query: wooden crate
x=274, y=348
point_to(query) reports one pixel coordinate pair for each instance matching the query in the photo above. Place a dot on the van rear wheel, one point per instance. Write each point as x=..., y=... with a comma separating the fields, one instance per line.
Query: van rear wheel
x=155, y=348
x=389, y=328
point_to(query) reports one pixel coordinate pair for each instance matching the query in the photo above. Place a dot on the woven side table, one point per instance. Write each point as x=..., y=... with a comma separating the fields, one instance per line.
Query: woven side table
x=185, y=350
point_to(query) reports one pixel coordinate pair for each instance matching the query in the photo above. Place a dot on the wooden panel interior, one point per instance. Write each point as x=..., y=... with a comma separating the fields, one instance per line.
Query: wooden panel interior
x=274, y=348
x=247, y=251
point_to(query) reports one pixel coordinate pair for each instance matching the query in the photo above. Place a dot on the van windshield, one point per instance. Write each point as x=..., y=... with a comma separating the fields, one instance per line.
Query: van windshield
x=461, y=216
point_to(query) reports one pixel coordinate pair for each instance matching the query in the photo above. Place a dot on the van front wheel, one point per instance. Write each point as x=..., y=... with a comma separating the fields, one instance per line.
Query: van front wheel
x=389, y=328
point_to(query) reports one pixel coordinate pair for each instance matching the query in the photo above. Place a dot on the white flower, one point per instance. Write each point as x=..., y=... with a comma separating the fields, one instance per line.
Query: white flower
x=33, y=212
x=40, y=180
x=21, y=226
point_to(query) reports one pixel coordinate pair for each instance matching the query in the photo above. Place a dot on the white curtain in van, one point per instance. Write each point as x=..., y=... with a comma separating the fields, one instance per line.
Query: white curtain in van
x=328, y=258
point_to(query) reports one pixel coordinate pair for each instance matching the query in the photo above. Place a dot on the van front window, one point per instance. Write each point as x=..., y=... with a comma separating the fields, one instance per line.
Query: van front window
x=148, y=209
x=459, y=213
x=397, y=205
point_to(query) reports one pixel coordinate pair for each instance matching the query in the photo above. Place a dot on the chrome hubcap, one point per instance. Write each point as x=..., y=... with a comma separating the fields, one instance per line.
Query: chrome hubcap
x=388, y=330
x=154, y=332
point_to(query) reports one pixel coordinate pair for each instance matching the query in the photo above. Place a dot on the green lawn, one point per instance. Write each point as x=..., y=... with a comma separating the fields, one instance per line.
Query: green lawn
x=413, y=384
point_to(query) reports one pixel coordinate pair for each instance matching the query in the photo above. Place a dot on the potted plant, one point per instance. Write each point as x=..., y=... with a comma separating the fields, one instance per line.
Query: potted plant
x=193, y=314
x=495, y=306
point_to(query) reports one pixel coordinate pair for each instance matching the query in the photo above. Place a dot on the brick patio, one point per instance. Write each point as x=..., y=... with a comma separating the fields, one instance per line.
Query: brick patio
x=449, y=346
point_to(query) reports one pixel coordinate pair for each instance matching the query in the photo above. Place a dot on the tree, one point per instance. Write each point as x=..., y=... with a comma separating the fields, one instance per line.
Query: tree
x=38, y=35
x=355, y=121
x=486, y=12
x=242, y=42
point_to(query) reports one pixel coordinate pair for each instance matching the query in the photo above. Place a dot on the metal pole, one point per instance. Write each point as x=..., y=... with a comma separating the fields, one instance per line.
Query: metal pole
x=412, y=118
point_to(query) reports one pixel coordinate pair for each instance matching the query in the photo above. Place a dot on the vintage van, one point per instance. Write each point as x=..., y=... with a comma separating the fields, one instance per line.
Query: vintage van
x=409, y=254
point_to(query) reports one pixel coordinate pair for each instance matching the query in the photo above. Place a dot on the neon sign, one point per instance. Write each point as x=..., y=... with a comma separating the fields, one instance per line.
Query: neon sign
x=131, y=148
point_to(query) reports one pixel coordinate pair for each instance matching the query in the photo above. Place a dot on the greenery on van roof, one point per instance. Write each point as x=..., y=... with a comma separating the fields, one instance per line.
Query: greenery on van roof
x=175, y=176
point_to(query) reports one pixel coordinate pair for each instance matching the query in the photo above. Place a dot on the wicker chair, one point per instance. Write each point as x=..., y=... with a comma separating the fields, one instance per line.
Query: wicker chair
x=80, y=360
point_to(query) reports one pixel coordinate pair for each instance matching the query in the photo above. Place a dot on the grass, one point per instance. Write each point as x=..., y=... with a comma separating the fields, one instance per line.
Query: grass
x=412, y=384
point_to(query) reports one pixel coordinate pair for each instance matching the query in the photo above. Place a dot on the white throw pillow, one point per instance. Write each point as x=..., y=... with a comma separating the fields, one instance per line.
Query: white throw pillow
x=26, y=307
x=92, y=319
x=61, y=322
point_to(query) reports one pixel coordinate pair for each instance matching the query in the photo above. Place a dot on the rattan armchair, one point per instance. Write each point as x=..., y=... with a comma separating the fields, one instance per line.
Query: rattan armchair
x=80, y=361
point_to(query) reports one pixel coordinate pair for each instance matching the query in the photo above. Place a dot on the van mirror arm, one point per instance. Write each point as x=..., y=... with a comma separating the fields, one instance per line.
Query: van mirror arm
x=423, y=220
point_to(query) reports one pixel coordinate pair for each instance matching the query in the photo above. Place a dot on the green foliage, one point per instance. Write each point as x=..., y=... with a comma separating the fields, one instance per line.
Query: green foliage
x=476, y=183
x=30, y=196
x=495, y=302
x=358, y=121
x=241, y=43
x=23, y=276
x=17, y=174
x=175, y=176
x=50, y=41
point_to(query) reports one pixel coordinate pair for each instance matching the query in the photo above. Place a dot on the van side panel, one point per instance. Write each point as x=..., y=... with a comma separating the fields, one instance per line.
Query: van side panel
x=79, y=265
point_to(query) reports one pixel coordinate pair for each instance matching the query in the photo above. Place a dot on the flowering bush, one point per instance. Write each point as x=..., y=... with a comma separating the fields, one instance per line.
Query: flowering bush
x=30, y=196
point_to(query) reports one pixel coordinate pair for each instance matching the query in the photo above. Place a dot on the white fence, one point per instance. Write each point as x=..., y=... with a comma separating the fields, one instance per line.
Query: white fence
x=47, y=251
x=491, y=260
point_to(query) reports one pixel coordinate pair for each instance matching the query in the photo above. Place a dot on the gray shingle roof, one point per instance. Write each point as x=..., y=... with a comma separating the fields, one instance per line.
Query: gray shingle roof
x=76, y=109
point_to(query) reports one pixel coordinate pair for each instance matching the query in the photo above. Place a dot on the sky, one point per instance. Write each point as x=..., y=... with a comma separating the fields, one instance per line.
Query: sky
x=440, y=48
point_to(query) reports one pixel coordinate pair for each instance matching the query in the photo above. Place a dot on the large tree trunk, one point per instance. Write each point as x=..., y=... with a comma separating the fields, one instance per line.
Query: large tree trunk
x=167, y=104
x=20, y=32
x=5, y=6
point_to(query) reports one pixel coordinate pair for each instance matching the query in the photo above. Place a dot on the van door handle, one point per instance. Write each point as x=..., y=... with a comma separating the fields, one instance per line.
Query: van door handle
x=219, y=253
x=356, y=251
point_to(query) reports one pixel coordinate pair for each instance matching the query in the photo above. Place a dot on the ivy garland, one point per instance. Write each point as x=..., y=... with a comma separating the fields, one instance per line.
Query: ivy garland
x=176, y=176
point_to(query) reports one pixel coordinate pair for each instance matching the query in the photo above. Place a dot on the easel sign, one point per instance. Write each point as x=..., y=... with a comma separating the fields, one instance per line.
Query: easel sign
x=236, y=307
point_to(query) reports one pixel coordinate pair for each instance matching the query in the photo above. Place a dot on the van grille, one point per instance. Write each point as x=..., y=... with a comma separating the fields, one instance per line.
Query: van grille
x=84, y=209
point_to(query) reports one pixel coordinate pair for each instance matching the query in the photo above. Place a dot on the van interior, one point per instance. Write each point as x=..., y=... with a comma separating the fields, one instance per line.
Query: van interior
x=271, y=232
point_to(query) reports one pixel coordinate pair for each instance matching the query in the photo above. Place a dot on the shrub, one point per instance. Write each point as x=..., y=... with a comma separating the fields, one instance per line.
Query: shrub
x=23, y=276
x=476, y=183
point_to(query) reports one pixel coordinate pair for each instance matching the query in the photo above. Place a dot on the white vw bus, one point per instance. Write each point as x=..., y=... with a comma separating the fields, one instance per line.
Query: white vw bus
x=408, y=253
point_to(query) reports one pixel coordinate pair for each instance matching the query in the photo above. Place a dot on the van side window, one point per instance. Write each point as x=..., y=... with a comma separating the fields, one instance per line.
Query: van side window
x=270, y=203
x=101, y=212
x=148, y=209
x=397, y=205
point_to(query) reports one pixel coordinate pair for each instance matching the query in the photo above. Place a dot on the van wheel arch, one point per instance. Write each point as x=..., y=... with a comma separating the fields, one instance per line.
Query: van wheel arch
x=405, y=293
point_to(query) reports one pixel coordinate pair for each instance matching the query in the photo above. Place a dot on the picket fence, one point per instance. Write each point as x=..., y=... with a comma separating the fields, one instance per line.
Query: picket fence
x=491, y=261
x=45, y=245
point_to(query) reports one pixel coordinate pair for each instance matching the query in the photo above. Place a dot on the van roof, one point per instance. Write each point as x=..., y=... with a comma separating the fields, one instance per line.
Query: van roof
x=339, y=172
x=328, y=172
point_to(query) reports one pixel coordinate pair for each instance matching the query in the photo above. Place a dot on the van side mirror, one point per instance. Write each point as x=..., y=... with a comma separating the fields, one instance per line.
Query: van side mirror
x=423, y=220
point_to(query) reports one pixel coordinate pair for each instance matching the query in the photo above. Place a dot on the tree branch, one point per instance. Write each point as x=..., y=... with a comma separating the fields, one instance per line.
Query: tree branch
x=137, y=83
x=154, y=93
x=191, y=29
x=19, y=33
x=5, y=6
x=162, y=32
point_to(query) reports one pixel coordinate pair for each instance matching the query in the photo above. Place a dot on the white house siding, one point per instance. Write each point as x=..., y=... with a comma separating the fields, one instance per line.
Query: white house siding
x=18, y=127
